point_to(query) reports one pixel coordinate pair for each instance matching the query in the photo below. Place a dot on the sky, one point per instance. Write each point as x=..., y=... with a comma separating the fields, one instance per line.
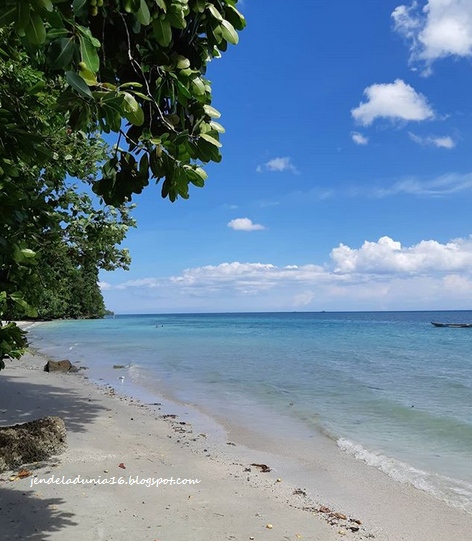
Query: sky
x=346, y=180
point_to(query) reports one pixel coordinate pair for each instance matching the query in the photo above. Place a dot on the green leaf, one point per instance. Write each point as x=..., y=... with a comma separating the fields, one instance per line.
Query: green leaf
x=201, y=173
x=141, y=95
x=217, y=127
x=89, y=54
x=23, y=16
x=8, y=15
x=132, y=111
x=162, y=5
x=229, y=33
x=215, y=13
x=235, y=17
x=28, y=253
x=89, y=77
x=61, y=52
x=43, y=4
x=211, y=140
x=211, y=111
x=143, y=15
x=162, y=32
x=80, y=7
x=131, y=85
x=35, y=31
x=200, y=5
x=198, y=86
x=78, y=84
x=182, y=62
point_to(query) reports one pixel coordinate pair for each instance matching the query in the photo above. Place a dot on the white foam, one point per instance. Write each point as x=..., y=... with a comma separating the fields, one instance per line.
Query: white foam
x=453, y=492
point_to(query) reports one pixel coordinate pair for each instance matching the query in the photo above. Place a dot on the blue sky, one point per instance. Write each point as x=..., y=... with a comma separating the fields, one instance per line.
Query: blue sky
x=346, y=122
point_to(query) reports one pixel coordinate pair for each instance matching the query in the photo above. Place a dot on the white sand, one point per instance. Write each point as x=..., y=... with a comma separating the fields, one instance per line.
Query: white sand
x=105, y=430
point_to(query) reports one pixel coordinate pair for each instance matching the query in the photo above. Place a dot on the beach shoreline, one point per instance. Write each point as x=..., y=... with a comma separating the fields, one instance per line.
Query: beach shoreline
x=247, y=500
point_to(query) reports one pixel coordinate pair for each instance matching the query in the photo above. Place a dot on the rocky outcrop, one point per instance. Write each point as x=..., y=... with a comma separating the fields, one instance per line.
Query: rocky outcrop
x=31, y=442
x=60, y=366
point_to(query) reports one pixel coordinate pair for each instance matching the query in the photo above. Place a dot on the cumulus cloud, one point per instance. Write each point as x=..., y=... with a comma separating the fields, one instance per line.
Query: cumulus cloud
x=278, y=165
x=435, y=29
x=387, y=256
x=244, y=224
x=396, y=101
x=377, y=275
x=434, y=141
x=444, y=185
x=359, y=139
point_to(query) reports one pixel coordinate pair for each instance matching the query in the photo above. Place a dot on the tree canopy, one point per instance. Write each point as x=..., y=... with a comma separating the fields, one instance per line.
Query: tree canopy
x=71, y=71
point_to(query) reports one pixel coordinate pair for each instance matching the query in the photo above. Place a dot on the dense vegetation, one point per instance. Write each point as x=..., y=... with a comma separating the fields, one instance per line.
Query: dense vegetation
x=69, y=72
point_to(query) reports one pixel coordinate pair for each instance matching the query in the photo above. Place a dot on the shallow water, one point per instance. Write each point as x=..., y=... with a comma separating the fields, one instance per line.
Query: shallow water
x=391, y=389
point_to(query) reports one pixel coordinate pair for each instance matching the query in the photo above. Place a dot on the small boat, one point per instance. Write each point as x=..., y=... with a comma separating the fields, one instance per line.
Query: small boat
x=453, y=325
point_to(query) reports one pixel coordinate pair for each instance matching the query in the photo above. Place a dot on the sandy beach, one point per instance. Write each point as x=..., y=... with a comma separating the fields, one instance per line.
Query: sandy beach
x=112, y=436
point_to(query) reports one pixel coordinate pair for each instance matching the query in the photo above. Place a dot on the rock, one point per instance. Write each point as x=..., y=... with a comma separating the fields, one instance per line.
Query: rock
x=118, y=366
x=31, y=442
x=340, y=516
x=60, y=366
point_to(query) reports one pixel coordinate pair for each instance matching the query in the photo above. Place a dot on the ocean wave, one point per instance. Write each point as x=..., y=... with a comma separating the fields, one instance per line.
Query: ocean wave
x=453, y=492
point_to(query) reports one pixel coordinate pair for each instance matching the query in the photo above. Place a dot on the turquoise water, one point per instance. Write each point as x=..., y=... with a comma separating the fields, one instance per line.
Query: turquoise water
x=390, y=388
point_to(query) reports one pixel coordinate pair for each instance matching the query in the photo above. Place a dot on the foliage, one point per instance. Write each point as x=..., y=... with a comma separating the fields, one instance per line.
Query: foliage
x=41, y=217
x=142, y=61
x=70, y=69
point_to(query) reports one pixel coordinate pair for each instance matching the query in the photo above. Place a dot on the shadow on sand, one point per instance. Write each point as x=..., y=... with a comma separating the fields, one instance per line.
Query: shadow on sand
x=23, y=515
x=22, y=401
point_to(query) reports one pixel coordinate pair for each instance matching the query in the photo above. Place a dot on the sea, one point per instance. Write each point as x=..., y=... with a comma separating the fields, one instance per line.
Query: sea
x=388, y=388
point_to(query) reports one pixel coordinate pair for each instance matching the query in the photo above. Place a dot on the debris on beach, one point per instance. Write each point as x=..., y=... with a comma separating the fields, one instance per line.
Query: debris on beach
x=299, y=492
x=24, y=473
x=60, y=366
x=340, y=516
x=122, y=466
x=269, y=526
x=118, y=366
x=30, y=442
x=262, y=467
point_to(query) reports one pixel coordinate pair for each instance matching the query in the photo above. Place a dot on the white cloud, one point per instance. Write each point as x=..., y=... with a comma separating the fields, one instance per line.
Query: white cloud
x=278, y=165
x=435, y=141
x=444, y=185
x=389, y=257
x=244, y=224
x=436, y=29
x=359, y=139
x=303, y=299
x=376, y=276
x=268, y=204
x=394, y=101
x=104, y=286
